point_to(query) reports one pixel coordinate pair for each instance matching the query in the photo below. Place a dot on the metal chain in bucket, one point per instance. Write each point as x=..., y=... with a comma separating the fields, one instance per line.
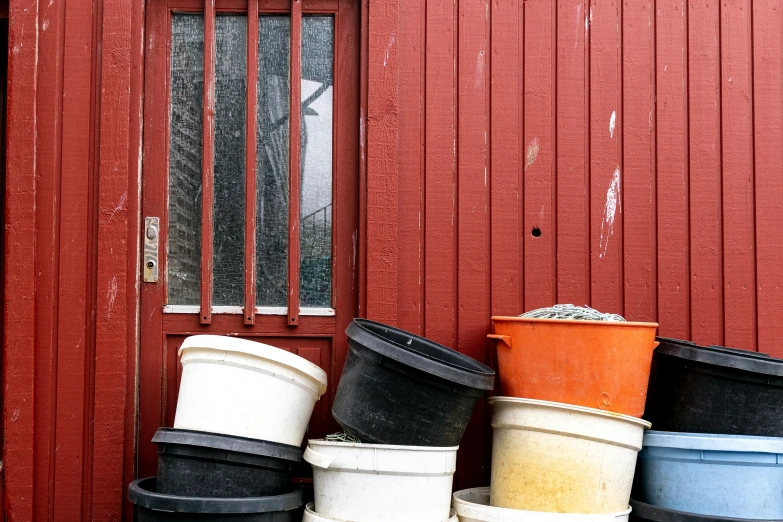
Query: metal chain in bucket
x=569, y=311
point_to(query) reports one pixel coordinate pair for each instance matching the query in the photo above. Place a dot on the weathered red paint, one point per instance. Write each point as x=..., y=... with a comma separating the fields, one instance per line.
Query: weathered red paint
x=294, y=162
x=706, y=185
x=251, y=165
x=207, y=160
x=433, y=139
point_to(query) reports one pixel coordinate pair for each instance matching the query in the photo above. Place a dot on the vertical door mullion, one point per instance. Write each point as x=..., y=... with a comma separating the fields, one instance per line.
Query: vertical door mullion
x=251, y=163
x=207, y=161
x=294, y=171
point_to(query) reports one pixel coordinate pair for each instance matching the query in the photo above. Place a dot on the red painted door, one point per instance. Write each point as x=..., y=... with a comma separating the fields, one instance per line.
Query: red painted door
x=234, y=245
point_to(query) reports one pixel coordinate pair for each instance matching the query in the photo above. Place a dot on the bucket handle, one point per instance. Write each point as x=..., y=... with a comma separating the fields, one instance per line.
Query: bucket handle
x=505, y=339
x=318, y=459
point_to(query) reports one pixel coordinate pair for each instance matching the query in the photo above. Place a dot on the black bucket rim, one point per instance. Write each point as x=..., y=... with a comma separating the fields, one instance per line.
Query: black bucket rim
x=215, y=441
x=473, y=374
x=141, y=492
x=722, y=356
x=660, y=514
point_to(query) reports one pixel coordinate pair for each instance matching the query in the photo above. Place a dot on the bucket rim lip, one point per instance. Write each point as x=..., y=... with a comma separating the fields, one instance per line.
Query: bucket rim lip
x=713, y=442
x=571, y=407
x=140, y=494
x=224, y=343
x=310, y=508
x=232, y=443
x=643, y=509
x=721, y=356
x=363, y=445
x=481, y=377
x=626, y=324
x=456, y=498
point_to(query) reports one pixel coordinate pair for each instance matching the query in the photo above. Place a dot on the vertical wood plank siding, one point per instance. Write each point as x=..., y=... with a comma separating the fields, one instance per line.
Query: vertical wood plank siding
x=515, y=154
x=621, y=154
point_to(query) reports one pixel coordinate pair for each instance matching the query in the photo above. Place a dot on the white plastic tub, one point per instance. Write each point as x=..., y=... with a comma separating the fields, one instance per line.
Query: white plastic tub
x=248, y=389
x=559, y=458
x=472, y=505
x=311, y=516
x=381, y=483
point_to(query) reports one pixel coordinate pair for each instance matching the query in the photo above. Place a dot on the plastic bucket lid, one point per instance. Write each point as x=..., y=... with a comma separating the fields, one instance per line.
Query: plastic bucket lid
x=732, y=358
x=659, y=514
x=142, y=493
x=311, y=516
x=474, y=504
x=709, y=442
x=422, y=354
x=254, y=349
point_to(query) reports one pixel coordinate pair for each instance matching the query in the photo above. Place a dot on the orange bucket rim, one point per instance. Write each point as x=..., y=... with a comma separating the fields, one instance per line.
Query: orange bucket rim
x=571, y=407
x=516, y=319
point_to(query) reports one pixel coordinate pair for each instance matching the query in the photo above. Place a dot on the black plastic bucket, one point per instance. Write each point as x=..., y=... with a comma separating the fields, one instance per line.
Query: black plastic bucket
x=399, y=388
x=641, y=512
x=158, y=507
x=714, y=389
x=198, y=464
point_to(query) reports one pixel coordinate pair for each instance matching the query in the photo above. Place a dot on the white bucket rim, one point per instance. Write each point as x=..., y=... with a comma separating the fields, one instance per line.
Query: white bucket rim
x=460, y=506
x=312, y=515
x=363, y=445
x=255, y=349
x=570, y=407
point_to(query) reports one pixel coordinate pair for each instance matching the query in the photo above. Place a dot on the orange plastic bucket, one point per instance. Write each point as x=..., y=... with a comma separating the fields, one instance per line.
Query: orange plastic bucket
x=596, y=364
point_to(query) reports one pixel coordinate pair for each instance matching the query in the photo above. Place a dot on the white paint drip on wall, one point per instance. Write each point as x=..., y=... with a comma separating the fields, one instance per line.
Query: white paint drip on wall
x=612, y=121
x=392, y=38
x=578, y=23
x=532, y=152
x=613, y=204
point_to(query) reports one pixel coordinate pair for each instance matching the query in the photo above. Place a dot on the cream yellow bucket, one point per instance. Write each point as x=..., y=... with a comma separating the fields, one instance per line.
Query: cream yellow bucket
x=558, y=458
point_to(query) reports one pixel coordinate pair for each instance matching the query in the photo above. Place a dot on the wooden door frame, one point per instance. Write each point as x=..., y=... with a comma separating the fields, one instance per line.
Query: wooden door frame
x=156, y=359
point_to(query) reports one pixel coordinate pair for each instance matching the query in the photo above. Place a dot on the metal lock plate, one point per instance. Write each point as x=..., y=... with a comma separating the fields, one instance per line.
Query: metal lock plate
x=151, y=237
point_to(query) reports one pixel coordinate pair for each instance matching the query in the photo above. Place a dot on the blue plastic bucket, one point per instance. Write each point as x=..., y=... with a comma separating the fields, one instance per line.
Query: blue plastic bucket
x=718, y=475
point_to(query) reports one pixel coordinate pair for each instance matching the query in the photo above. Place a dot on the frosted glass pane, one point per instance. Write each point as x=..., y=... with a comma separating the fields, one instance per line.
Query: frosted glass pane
x=272, y=149
x=184, y=230
x=316, y=175
x=228, y=240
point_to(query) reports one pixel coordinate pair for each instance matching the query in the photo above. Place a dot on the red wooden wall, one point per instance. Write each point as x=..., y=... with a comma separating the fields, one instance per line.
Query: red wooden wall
x=70, y=347
x=624, y=154
x=640, y=141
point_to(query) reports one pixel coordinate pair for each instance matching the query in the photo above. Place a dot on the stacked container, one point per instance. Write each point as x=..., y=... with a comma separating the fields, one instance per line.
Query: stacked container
x=719, y=454
x=567, y=427
x=242, y=412
x=409, y=401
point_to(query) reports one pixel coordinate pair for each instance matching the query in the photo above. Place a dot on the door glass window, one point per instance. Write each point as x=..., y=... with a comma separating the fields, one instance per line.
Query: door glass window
x=184, y=231
x=229, y=213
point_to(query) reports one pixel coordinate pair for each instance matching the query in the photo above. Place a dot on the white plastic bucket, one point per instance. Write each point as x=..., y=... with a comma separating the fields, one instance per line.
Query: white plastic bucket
x=311, y=516
x=381, y=483
x=472, y=505
x=248, y=389
x=559, y=458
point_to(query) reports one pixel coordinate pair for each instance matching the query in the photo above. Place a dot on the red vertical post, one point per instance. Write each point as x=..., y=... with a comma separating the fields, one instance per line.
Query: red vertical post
x=293, y=165
x=207, y=161
x=250, y=162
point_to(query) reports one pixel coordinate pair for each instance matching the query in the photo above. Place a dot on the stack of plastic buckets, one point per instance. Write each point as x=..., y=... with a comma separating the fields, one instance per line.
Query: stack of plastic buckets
x=719, y=452
x=567, y=427
x=409, y=401
x=242, y=413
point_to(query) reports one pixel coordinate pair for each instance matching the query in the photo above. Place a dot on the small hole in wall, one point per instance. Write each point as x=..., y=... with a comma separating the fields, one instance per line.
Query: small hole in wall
x=536, y=232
